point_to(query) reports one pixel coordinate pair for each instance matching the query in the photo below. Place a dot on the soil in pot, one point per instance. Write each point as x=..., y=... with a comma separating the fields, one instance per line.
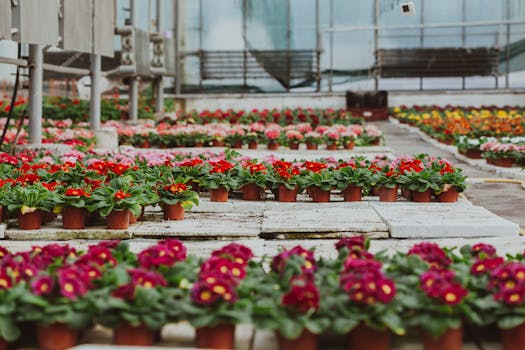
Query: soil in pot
x=306, y=341
x=73, y=218
x=56, y=336
x=126, y=334
x=450, y=196
x=320, y=196
x=387, y=194
x=173, y=211
x=363, y=337
x=352, y=194
x=286, y=195
x=219, y=195
x=513, y=338
x=118, y=220
x=221, y=336
x=424, y=197
x=251, y=192
x=452, y=339
x=30, y=221
x=273, y=146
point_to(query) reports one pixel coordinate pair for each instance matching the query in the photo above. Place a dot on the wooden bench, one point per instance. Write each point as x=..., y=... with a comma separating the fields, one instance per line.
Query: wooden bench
x=436, y=62
x=282, y=65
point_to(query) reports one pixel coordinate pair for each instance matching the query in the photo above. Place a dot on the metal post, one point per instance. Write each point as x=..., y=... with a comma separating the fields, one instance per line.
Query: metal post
x=507, y=53
x=94, y=108
x=464, y=34
x=289, y=44
x=159, y=82
x=133, y=82
x=422, y=36
x=376, y=39
x=318, y=43
x=36, y=77
x=201, y=29
x=331, y=78
x=177, y=48
x=245, y=51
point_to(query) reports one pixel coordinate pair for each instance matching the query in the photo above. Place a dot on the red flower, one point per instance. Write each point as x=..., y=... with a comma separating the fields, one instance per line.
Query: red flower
x=453, y=294
x=76, y=192
x=146, y=278
x=431, y=253
x=176, y=188
x=221, y=166
x=126, y=292
x=202, y=294
x=122, y=195
x=302, y=297
x=482, y=248
x=6, y=281
x=352, y=243
x=235, y=252
x=71, y=288
x=42, y=285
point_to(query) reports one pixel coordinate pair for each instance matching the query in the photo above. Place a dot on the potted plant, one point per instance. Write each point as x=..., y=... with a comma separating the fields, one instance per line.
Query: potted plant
x=352, y=180
x=255, y=135
x=331, y=138
x=273, y=135
x=74, y=202
x=499, y=154
x=286, y=180
x=10, y=294
x=293, y=139
x=235, y=136
x=451, y=182
x=287, y=302
x=320, y=180
x=253, y=180
x=386, y=183
x=312, y=139
x=421, y=183
x=470, y=147
x=219, y=179
x=175, y=198
x=115, y=205
x=29, y=201
x=222, y=296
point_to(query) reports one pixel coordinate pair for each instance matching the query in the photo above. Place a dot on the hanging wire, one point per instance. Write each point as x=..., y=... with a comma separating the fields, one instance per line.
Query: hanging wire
x=13, y=98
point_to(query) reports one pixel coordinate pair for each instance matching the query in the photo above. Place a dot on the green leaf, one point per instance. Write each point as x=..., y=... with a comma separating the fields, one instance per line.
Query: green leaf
x=343, y=326
x=511, y=321
x=290, y=329
x=8, y=329
x=394, y=322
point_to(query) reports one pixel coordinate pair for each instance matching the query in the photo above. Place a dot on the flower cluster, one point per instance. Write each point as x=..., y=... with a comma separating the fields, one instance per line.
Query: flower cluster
x=440, y=284
x=508, y=283
x=432, y=254
x=165, y=253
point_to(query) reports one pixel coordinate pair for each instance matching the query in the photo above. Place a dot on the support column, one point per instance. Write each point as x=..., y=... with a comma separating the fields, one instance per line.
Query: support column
x=176, y=34
x=36, y=77
x=134, y=99
x=94, y=108
x=159, y=82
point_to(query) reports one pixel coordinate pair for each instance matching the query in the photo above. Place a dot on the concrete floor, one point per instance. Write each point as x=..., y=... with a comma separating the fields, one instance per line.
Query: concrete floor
x=503, y=199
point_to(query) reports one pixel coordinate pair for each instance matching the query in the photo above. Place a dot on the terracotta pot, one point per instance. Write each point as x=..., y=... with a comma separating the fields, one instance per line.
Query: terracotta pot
x=237, y=145
x=407, y=194
x=450, y=196
x=352, y=193
x=306, y=341
x=273, y=146
x=363, y=337
x=126, y=334
x=221, y=336
x=376, y=142
x=286, y=195
x=118, y=220
x=294, y=145
x=514, y=338
x=252, y=145
x=332, y=147
x=311, y=146
x=56, y=336
x=388, y=194
x=320, y=196
x=473, y=153
x=73, y=218
x=4, y=345
x=132, y=218
x=145, y=144
x=251, y=192
x=30, y=221
x=219, y=195
x=350, y=145
x=217, y=143
x=451, y=340
x=424, y=197
x=173, y=211
x=198, y=144
x=502, y=162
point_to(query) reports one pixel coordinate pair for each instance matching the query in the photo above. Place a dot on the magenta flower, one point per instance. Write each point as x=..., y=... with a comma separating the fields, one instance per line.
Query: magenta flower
x=42, y=285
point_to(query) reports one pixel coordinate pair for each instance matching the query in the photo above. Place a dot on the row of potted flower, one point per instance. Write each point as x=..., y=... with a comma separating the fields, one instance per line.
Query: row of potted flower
x=57, y=291
x=165, y=135
x=504, y=152
x=78, y=183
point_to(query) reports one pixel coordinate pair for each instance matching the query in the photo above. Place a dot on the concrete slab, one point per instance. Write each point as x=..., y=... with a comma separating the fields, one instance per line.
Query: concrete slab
x=203, y=226
x=232, y=206
x=438, y=220
x=57, y=233
x=2, y=230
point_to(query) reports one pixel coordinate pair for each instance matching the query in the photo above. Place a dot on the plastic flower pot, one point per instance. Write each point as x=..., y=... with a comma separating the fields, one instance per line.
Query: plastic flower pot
x=126, y=334
x=294, y=145
x=118, y=220
x=332, y=147
x=219, y=194
x=424, y=197
x=352, y=193
x=501, y=162
x=173, y=211
x=311, y=146
x=56, y=336
x=251, y=192
x=198, y=144
x=73, y=218
x=451, y=340
x=217, y=143
x=30, y=221
x=450, y=196
x=320, y=196
x=286, y=195
x=473, y=153
x=237, y=145
x=252, y=145
x=306, y=341
x=273, y=146
x=4, y=345
x=221, y=336
x=513, y=338
x=364, y=337
x=387, y=194
x=350, y=145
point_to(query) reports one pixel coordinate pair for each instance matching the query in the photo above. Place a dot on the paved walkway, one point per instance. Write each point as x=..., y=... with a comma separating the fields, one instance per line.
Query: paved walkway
x=504, y=199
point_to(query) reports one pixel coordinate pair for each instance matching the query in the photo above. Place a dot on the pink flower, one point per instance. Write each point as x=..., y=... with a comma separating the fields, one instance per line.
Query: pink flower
x=42, y=285
x=294, y=135
x=273, y=131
